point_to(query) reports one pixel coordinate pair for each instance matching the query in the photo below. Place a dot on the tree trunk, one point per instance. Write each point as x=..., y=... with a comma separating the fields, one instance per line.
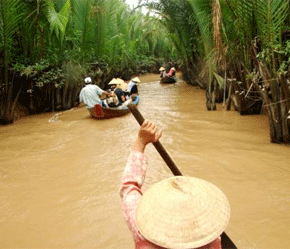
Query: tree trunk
x=229, y=100
x=214, y=93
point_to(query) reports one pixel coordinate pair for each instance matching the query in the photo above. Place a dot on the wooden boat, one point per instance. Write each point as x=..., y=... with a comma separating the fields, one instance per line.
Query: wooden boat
x=100, y=112
x=168, y=80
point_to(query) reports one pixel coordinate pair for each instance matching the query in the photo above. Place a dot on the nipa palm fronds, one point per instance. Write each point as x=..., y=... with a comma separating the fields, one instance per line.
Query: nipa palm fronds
x=9, y=20
x=81, y=10
x=270, y=17
x=58, y=20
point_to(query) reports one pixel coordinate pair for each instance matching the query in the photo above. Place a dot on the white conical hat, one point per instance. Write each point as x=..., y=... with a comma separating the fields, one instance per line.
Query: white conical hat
x=114, y=81
x=161, y=69
x=136, y=79
x=120, y=80
x=182, y=212
x=122, y=84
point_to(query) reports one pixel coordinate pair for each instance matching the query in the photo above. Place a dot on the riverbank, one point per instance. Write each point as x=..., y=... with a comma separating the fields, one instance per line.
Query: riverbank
x=22, y=111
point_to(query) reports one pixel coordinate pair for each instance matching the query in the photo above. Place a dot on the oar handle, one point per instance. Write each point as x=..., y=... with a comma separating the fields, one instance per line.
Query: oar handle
x=227, y=243
x=162, y=152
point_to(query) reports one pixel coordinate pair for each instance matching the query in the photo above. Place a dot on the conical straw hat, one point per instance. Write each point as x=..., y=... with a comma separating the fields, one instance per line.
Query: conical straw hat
x=122, y=84
x=136, y=79
x=120, y=80
x=114, y=81
x=161, y=69
x=182, y=212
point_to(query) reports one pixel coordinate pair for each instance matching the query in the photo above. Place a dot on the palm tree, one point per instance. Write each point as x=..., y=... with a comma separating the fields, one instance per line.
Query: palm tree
x=179, y=17
x=239, y=38
x=10, y=17
x=271, y=17
x=58, y=19
x=81, y=29
x=54, y=37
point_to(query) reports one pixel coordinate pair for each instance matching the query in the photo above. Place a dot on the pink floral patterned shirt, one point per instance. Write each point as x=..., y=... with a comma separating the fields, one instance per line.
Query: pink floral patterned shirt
x=130, y=191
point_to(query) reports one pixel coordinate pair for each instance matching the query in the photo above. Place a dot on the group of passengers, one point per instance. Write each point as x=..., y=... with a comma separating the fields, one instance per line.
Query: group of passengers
x=163, y=73
x=120, y=94
x=116, y=96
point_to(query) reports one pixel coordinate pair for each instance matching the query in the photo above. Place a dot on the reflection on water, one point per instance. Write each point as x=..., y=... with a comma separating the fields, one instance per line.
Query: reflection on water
x=60, y=174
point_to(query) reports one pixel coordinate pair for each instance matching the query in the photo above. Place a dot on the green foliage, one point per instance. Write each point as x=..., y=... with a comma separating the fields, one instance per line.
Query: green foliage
x=10, y=18
x=31, y=70
x=202, y=15
x=58, y=20
x=55, y=77
x=220, y=80
x=238, y=28
x=84, y=31
x=270, y=17
x=54, y=42
x=72, y=73
x=278, y=50
x=285, y=52
x=80, y=25
x=248, y=20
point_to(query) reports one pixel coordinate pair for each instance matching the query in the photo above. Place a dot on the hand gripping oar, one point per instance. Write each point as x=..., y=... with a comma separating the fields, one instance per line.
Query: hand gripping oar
x=167, y=159
x=226, y=241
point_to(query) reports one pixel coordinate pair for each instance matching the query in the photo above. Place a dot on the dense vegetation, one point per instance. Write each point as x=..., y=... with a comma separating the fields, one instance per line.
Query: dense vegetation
x=48, y=46
x=240, y=46
x=238, y=50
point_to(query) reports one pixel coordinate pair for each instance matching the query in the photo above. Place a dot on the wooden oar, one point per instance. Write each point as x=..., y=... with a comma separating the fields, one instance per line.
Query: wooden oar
x=167, y=159
x=227, y=243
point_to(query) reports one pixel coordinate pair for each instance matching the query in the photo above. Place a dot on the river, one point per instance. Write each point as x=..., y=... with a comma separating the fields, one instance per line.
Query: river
x=59, y=177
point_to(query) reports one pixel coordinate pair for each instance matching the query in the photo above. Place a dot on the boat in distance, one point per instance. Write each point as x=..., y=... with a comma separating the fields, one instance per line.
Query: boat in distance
x=168, y=80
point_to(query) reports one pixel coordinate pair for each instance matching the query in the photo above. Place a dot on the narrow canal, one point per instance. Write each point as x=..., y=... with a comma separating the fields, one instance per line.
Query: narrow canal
x=59, y=180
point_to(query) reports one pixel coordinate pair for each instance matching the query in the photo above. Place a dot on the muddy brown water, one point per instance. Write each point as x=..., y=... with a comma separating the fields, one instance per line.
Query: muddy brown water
x=59, y=180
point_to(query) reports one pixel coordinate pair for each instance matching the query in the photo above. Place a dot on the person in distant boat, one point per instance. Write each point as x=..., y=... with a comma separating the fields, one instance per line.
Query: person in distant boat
x=162, y=72
x=171, y=72
x=177, y=212
x=118, y=92
x=90, y=94
x=132, y=86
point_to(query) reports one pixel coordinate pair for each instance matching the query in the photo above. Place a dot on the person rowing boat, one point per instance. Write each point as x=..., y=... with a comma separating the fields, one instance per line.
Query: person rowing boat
x=90, y=94
x=178, y=212
x=167, y=77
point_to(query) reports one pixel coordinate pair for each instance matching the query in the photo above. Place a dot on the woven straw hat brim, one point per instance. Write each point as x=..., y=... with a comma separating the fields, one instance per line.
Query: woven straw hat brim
x=182, y=212
x=120, y=80
x=136, y=79
x=114, y=81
